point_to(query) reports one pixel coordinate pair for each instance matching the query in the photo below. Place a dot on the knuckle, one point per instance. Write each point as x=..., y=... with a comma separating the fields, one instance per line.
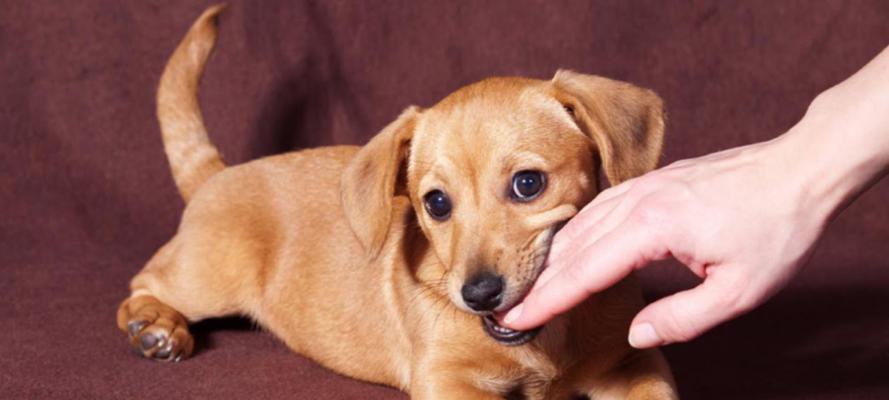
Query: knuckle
x=575, y=272
x=654, y=180
x=573, y=229
x=649, y=213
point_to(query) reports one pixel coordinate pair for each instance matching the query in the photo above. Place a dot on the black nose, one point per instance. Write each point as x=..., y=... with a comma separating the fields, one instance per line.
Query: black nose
x=483, y=291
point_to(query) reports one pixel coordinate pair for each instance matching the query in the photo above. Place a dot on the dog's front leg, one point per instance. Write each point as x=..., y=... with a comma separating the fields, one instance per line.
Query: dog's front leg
x=643, y=375
x=447, y=384
x=452, y=392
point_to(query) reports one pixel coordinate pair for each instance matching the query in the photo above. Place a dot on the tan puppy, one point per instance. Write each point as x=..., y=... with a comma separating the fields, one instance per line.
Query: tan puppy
x=385, y=262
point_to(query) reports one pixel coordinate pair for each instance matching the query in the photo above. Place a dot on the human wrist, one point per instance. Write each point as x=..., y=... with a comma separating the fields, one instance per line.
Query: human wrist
x=833, y=153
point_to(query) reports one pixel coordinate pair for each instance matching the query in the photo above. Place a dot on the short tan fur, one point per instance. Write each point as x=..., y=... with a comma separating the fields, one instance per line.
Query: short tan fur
x=332, y=250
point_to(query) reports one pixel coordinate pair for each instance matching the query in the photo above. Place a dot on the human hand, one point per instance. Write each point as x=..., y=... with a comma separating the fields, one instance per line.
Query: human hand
x=745, y=219
x=741, y=219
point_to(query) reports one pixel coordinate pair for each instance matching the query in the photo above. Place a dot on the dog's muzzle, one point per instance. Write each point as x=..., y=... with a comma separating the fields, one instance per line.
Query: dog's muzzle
x=511, y=337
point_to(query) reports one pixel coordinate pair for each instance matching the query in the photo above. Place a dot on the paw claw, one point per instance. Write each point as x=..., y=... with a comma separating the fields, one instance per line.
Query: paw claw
x=164, y=353
x=148, y=341
x=134, y=327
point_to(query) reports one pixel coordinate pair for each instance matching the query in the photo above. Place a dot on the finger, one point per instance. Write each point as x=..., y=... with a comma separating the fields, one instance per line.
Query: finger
x=613, y=191
x=577, y=226
x=576, y=231
x=598, y=266
x=686, y=315
x=605, y=223
x=595, y=209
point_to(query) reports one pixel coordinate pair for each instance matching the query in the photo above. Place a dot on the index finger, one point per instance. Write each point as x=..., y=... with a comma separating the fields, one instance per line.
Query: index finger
x=595, y=268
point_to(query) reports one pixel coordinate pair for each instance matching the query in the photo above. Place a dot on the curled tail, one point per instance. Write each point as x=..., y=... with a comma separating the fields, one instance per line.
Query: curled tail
x=193, y=159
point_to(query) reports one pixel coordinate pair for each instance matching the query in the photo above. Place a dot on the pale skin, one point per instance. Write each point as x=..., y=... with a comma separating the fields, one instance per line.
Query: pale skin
x=745, y=220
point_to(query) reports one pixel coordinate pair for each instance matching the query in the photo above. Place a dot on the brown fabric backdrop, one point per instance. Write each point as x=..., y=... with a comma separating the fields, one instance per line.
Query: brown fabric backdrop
x=87, y=196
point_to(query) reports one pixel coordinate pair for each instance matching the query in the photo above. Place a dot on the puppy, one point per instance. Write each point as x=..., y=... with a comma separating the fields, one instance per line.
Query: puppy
x=386, y=262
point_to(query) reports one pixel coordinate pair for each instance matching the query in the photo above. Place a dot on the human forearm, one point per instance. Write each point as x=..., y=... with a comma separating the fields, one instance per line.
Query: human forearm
x=841, y=146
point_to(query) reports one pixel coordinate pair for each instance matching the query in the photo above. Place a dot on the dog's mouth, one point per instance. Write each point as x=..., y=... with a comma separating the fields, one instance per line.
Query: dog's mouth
x=512, y=337
x=506, y=336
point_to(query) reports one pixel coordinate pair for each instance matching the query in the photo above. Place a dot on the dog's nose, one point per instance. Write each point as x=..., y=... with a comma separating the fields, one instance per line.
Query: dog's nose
x=483, y=291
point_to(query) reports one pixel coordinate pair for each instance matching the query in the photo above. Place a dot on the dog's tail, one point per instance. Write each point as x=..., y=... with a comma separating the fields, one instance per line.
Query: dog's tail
x=193, y=159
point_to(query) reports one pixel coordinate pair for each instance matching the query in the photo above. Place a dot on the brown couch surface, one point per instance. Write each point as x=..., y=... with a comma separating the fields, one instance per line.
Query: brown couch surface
x=87, y=196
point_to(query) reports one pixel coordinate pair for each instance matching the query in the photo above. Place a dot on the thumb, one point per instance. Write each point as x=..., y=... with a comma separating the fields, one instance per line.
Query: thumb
x=686, y=315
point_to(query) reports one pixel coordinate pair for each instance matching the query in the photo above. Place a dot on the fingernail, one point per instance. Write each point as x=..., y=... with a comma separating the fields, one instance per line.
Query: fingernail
x=513, y=314
x=644, y=336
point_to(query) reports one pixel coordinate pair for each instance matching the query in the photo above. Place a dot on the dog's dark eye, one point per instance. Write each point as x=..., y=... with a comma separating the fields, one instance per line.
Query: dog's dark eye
x=438, y=205
x=527, y=185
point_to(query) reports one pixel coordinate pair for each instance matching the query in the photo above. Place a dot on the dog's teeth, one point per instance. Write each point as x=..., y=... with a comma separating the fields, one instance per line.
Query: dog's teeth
x=498, y=329
x=501, y=329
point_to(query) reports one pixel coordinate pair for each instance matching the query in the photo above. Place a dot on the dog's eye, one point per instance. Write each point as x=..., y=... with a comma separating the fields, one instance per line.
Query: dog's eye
x=527, y=185
x=437, y=204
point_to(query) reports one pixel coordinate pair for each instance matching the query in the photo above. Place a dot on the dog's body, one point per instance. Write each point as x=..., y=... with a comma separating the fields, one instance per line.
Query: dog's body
x=331, y=251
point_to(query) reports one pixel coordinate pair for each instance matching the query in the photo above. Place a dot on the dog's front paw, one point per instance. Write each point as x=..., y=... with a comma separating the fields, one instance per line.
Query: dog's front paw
x=158, y=332
x=157, y=341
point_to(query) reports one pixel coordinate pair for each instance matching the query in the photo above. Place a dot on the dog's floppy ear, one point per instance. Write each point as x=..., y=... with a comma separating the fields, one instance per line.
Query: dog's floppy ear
x=625, y=122
x=369, y=181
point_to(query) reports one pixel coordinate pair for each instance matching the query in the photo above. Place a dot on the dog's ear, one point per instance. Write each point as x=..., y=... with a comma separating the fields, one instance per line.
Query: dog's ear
x=371, y=178
x=625, y=122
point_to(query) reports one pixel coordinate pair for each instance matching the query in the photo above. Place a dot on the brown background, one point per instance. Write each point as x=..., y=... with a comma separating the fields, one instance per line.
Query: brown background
x=87, y=197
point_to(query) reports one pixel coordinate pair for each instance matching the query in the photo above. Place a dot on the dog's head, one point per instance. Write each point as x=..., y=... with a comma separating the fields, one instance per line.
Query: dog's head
x=494, y=169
